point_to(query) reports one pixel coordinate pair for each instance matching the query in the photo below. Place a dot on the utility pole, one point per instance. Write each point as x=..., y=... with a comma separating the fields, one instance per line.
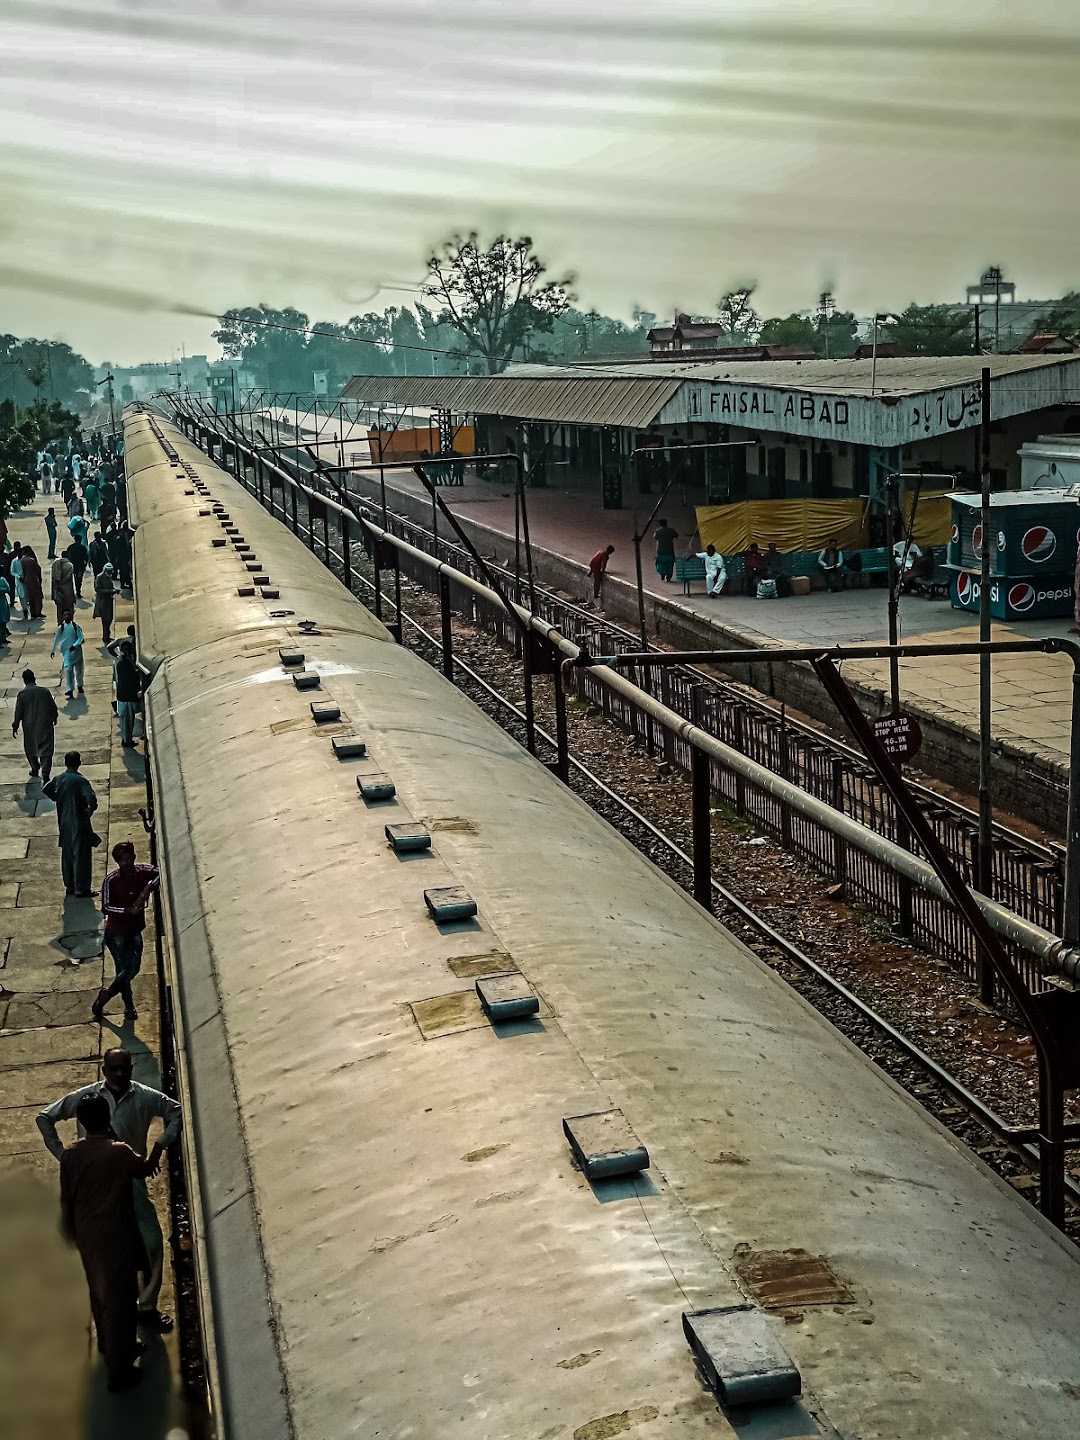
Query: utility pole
x=826, y=306
x=985, y=876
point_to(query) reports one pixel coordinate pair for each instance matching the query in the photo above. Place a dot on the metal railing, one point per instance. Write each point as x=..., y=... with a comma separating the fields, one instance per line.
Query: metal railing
x=1028, y=879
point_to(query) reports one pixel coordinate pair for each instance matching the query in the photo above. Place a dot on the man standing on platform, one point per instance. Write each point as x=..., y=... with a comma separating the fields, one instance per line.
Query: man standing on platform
x=132, y=1107
x=97, y=1207
x=36, y=712
x=75, y=804
x=665, y=538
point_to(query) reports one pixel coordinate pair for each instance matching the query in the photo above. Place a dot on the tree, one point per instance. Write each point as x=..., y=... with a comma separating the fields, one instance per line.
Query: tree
x=739, y=317
x=270, y=343
x=20, y=439
x=43, y=369
x=837, y=334
x=495, y=297
x=795, y=330
x=931, y=330
x=407, y=341
x=1062, y=319
x=579, y=333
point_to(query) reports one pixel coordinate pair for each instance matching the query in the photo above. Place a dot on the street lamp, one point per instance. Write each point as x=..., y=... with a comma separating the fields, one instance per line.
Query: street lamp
x=641, y=531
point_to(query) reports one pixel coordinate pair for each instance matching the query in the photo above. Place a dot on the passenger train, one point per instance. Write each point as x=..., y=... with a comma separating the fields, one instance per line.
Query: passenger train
x=395, y=1236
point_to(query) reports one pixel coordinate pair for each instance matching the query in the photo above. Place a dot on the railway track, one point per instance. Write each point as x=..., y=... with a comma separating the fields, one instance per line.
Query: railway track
x=953, y=1103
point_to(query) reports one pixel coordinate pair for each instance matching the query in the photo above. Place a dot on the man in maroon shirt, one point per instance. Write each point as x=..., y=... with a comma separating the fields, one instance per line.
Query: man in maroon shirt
x=597, y=565
x=123, y=903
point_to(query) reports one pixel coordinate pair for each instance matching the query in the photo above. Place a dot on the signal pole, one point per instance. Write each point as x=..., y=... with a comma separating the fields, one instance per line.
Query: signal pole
x=985, y=877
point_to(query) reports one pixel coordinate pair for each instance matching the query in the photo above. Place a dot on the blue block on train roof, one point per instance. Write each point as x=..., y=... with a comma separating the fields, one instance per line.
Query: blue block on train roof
x=507, y=997
x=306, y=680
x=349, y=747
x=408, y=836
x=376, y=787
x=740, y=1356
x=449, y=902
x=604, y=1144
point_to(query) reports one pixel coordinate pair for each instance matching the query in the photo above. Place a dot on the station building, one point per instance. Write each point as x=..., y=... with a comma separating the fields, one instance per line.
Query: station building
x=820, y=429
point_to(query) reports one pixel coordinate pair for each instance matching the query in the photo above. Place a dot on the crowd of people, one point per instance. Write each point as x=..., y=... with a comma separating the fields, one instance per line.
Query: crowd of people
x=106, y=1210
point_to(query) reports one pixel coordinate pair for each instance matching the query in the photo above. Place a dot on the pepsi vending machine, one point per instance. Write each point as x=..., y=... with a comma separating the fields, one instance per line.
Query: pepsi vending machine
x=1032, y=553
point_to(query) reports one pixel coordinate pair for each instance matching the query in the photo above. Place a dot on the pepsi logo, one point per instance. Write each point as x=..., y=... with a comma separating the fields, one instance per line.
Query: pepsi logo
x=976, y=538
x=1022, y=596
x=1038, y=543
x=1001, y=539
x=955, y=536
x=965, y=588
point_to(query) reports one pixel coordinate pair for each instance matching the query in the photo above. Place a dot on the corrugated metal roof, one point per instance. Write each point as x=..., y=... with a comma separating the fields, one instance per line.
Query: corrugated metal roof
x=567, y=397
x=897, y=375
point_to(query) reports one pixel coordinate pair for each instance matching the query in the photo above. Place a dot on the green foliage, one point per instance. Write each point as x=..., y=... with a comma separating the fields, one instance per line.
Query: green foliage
x=931, y=330
x=44, y=423
x=836, y=336
x=33, y=370
x=579, y=333
x=1063, y=319
x=738, y=316
x=494, y=298
x=793, y=330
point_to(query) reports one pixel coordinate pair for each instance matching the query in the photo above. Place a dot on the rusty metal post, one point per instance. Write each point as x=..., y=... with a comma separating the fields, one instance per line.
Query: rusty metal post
x=346, y=553
x=527, y=679
x=295, y=517
x=738, y=742
x=378, y=578
x=701, y=790
x=562, y=743
x=398, y=627
x=839, y=845
x=325, y=535
x=447, y=626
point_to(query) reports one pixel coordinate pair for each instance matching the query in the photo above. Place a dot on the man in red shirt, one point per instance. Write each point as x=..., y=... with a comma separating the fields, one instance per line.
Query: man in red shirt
x=597, y=565
x=123, y=903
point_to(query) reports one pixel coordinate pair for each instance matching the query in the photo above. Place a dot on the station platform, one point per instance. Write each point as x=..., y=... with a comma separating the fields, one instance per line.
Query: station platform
x=51, y=967
x=1031, y=693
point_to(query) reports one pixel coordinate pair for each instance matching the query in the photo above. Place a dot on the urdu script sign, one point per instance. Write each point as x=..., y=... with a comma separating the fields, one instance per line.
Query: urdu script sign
x=883, y=420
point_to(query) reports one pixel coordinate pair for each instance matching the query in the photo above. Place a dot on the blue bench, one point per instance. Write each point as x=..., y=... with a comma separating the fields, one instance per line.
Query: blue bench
x=691, y=568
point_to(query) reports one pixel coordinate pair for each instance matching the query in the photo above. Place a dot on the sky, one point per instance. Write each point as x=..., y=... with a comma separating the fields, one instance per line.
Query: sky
x=160, y=164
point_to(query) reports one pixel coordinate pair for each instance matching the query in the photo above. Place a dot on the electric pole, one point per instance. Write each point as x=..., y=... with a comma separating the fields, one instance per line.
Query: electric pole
x=985, y=877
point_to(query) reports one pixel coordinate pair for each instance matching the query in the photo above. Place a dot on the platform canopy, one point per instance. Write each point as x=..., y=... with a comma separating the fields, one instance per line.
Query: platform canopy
x=897, y=401
x=561, y=397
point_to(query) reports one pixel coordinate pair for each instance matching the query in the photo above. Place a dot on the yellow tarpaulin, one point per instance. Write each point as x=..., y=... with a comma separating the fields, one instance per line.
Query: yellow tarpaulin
x=933, y=517
x=793, y=524
x=410, y=444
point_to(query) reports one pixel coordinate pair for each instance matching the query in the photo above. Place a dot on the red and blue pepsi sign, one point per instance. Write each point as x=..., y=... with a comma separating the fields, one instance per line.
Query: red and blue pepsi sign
x=1017, y=599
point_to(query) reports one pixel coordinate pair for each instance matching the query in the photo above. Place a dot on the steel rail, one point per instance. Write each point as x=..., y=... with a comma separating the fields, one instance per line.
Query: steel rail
x=978, y=1109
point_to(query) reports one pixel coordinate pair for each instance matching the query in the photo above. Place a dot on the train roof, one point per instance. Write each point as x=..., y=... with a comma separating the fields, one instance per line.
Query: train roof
x=397, y=1240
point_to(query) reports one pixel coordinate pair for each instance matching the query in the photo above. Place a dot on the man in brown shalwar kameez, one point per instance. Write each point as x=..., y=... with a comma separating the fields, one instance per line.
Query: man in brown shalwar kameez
x=98, y=1209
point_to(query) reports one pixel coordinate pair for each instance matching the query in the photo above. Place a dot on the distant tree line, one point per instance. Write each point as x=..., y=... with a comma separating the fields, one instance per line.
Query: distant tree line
x=43, y=370
x=483, y=308
x=24, y=430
